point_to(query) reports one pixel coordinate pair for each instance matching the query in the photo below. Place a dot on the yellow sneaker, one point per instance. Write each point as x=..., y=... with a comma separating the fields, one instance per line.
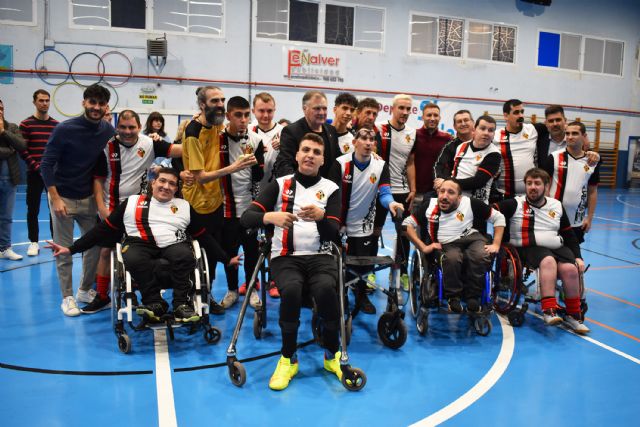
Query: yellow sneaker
x=333, y=365
x=283, y=374
x=371, y=278
x=404, y=280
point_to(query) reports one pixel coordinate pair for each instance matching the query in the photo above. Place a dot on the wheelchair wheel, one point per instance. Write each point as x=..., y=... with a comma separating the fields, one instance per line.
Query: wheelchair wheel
x=257, y=325
x=237, y=374
x=422, y=321
x=392, y=330
x=124, y=343
x=354, y=379
x=212, y=335
x=416, y=282
x=482, y=325
x=507, y=277
x=516, y=318
x=584, y=307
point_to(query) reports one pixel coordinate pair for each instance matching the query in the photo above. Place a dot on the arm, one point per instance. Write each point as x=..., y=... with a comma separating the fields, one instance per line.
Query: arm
x=568, y=236
x=487, y=169
x=241, y=163
x=592, y=201
x=260, y=213
x=442, y=167
x=411, y=178
x=32, y=164
x=10, y=135
x=286, y=160
x=411, y=226
x=98, y=192
x=102, y=231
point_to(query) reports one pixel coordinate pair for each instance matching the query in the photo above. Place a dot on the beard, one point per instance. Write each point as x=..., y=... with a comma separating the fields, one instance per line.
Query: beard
x=89, y=111
x=214, y=115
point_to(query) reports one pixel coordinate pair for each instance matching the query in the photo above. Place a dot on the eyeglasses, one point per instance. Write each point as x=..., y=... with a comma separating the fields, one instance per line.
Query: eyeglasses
x=364, y=133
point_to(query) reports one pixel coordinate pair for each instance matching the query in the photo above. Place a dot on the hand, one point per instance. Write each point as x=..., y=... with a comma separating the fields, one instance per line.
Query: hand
x=57, y=249
x=311, y=213
x=243, y=163
x=236, y=261
x=409, y=199
x=1, y=121
x=187, y=177
x=427, y=249
x=103, y=212
x=492, y=249
x=275, y=142
x=394, y=207
x=155, y=137
x=437, y=183
x=59, y=208
x=586, y=225
x=580, y=264
x=592, y=158
x=280, y=219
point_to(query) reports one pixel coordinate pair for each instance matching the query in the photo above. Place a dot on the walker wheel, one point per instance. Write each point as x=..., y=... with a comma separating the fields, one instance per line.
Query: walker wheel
x=237, y=374
x=354, y=379
x=392, y=330
x=124, y=343
x=482, y=325
x=257, y=325
x=516, y=318
x=212, y=335
x=422, y=321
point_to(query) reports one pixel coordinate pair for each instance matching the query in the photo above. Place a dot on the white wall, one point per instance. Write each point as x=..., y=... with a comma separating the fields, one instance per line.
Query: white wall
x=394, y=70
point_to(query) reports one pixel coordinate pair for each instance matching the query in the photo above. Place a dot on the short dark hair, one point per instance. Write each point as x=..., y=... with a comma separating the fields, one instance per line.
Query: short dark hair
x=170, y=171
x=152, y=117
x=40, y=92
x=313, y=137
x=368, y=103
x=455, y=181
x=237, y=103
x=457, y=113
x=506, y=107
x=346, y=98
x=537, y=173
x=284, y=122
x=583, y=128
x=128, y=114
x=553, y=109
x=97, y=92
x=431, y=105
x=486, y=118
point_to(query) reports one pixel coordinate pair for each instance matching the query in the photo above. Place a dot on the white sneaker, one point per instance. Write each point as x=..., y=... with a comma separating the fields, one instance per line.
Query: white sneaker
x=254, y=299
x=550, y=317
x=576, y=325
x=34, y=249
x=70, y=307
x=10, y=255
x=230, y=298
x=86, y=296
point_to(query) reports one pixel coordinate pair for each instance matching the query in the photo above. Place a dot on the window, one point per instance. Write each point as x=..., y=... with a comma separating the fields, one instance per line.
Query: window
x=202, y=16
x=18, y=12
x=580, y=53
x=320, y=22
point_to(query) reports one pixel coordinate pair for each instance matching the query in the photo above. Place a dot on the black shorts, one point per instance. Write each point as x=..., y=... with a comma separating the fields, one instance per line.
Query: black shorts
x=532, y=256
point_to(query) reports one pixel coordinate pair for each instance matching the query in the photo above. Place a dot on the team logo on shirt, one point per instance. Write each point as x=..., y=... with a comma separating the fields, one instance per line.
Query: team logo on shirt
x=459, y=216
x=373, y=178
x=247, y=149
x=345, y=147
x=563, y=164
x=347, y=179
x=407, y=138
x=320, y=195
x=552, y=214
x=586, y=168
x=140, y=152
x=478, y=157
x=526, y=136
x=173, y=208
x=286, y=195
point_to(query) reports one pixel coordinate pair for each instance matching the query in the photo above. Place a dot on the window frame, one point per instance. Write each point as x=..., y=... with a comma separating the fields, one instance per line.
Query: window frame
x=493, y=24
x=321, y=27
x=32, y=23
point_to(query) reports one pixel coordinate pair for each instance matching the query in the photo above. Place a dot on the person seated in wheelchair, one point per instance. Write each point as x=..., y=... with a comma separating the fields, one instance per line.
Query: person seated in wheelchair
x=154, y=227
x=304, y=209
x=540, y=230
x=363, y=177
x=456, y=226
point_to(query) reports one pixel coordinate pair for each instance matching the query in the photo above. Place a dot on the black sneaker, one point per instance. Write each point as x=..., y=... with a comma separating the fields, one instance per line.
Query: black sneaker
x=98, y=304
x=185, y=313
x=215, y=308
x=473, y=305
x=362, y=300
x=152, y=312
x=454, y=305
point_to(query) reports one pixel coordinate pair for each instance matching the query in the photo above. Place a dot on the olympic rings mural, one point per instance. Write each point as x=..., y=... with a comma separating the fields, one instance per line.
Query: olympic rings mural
x=78, y=76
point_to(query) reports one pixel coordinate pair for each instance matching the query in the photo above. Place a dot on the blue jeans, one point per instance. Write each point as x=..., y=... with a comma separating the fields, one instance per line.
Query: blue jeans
x=7, y=201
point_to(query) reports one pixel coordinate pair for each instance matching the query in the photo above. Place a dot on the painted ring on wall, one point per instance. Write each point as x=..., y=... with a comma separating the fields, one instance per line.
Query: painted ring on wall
x=100, y=63
x=130, y=73
x=44, y=76
x=54, y=97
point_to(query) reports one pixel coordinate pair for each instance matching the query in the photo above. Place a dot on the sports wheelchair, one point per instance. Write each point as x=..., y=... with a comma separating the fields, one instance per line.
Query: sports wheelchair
x=426, y=294
x=516, y=286
x=353, y=379
x=124, y=300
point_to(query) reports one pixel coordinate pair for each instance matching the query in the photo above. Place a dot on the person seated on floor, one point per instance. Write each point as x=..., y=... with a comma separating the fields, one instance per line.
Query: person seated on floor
x=456, y=225
x=363, y=178
x=154, y=226
x=304, y=209
x=540, y=230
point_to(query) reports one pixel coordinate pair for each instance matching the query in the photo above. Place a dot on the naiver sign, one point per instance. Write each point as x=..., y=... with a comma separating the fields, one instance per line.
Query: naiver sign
x=312, y=64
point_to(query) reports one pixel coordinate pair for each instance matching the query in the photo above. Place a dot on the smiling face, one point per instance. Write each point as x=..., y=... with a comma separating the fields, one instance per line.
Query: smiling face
x=556, y=123
x=94, y=109
x=515, y=118
x=164, y=187
x=367, y=117
x=264, y=112
x=128, y=130
x=463, y=125
x=310, y=157
x=431, y=118
x=535, y=189
x=483, y=134
x=343, y=114
x=400, y=112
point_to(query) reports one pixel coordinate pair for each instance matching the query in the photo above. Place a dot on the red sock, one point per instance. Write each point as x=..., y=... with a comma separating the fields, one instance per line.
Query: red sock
x=102, y=285
x=549, y=303
x=573, y=307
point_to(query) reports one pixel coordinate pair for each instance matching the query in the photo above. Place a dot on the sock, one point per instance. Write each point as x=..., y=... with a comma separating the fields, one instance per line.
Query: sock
x=549, y=303
x=102, y=285
x=573, y=307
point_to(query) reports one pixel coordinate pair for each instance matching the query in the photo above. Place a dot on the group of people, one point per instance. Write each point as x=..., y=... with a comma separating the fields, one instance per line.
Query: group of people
x=305, y=183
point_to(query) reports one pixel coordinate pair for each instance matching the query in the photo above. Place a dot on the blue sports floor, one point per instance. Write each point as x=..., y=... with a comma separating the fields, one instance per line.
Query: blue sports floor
x=59, y=371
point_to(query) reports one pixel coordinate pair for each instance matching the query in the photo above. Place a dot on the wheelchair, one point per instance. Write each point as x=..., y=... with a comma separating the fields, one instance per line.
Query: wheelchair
x=516, y=286
x=353, y=379
x=426, y=294
x=124, y=300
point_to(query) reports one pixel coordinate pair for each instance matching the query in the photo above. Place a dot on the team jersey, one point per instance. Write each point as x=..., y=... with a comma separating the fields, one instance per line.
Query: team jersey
x=125, y=168
x=469, y=161
x=518, y=151
x=162, y=224
x=554, y=146
x=240, y=187
x=270, y=154
x=359, y=192
x=395, y=147
x=345, y=141
x=570, y=178
x=469, y=217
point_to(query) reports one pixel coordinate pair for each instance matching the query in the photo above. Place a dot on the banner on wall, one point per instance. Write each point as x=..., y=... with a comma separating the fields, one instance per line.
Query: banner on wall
x=318, y=65
x=6, y=63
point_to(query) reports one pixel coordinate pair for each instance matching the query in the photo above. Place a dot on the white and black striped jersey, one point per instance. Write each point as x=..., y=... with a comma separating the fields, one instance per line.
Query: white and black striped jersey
x=240, y=187
x=268, y=138
x=475, y=169
x=395, y=147
x=359, y=190
x=125, y=168
x=554, y=146
x=518, y=151
x=570, y=178
x=345, y=141
x=471, y=216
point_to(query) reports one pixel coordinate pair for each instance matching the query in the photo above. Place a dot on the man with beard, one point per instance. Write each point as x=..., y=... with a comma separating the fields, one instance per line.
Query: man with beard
x=67, y=171
x=541, y=231
x=201, y=157
x=463, y=125
x=456, y=225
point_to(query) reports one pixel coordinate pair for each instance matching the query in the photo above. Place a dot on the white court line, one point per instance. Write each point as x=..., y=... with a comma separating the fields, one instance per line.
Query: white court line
x=483, y=386
x=164, y=387
x=24, y=220
x=615, y=220
x=618, y=199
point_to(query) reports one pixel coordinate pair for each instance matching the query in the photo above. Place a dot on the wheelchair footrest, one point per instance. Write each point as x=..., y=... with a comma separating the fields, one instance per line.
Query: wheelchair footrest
x=361, y=261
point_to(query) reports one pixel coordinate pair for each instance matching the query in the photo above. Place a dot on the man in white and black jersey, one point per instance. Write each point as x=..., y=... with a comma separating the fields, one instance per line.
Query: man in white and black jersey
x=305, y=210
x=121, y=171
x=155, y=226
x=540, y=229
x=463, y=125
x=238, y=190
x=396, y=148
x=456, y=225
x=264, y=108
x=574, y=181
x=345, y=106
x=364, y=178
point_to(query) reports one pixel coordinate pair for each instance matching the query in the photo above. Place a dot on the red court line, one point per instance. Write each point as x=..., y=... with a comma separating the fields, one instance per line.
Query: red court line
x=614, y=298
x=617, y=331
